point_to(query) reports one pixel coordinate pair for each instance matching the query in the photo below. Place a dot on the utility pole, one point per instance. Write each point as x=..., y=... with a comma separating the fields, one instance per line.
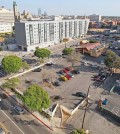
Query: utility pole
x=85, y=107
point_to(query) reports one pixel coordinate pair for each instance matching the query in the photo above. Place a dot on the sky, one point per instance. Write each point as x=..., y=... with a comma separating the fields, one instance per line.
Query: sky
x=67, y=7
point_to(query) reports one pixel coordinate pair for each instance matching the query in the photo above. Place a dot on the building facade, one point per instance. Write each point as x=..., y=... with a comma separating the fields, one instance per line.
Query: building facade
x=6, y=27
x=95, y=17
x=6, y=20
x=38, y=34
x=118, y=29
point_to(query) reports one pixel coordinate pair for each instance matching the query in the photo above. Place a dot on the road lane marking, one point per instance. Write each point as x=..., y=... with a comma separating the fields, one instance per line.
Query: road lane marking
x=12, y=121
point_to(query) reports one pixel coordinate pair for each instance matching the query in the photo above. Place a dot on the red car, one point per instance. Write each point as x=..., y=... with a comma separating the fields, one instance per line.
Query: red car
x=65, y=71
x=68, y=77
x=68, y=68
x=96, y=79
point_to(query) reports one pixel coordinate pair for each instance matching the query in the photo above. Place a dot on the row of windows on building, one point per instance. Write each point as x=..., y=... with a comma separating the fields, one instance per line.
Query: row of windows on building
x=41, y=32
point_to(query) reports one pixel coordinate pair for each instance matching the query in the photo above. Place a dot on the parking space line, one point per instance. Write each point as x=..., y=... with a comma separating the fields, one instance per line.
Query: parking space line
x=115, y=110
x=12, y=121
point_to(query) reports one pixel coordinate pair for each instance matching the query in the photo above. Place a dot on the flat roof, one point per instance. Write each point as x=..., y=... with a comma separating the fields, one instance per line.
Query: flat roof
x=36, y=21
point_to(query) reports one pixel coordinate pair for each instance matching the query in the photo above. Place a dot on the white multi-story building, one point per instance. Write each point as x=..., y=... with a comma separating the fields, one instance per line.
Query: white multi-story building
x=6, y=27
x=6, y=20
x=38, y=34
x=95, y=17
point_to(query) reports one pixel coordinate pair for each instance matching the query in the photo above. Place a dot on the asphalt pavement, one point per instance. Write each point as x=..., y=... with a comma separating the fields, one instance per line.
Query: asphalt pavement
x=19, y=124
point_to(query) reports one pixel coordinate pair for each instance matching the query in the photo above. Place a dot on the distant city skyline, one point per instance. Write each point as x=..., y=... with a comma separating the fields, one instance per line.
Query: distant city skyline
x=67, y=7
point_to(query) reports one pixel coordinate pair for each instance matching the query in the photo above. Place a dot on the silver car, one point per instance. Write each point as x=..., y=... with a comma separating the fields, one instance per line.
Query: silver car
x=19, y=110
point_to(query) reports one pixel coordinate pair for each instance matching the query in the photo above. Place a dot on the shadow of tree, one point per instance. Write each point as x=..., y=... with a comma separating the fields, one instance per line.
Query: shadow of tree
x=26, y=122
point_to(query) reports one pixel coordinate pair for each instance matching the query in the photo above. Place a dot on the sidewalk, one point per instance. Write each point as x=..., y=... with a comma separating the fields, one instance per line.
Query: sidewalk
x=53, y=126
x=50, y=123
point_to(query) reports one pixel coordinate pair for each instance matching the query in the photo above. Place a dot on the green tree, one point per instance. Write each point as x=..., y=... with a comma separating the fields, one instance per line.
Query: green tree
x=36, y=98
x=77, y=131
x=25, y=65
x=74, y=57
x=1, y=49
x=92, y=41
x=11, y=83
x=67, y=51
x=11, y=64
x=42, y=53
x=112, y=60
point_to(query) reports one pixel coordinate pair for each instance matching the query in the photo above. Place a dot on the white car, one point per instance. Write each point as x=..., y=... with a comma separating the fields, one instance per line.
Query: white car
x=85, y=63
x=50, y=63
x=116, y=48
x=102, y=62
x=95, y=66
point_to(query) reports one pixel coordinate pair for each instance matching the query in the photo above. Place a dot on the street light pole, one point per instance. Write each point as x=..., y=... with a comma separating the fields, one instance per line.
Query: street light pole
x=85, y=107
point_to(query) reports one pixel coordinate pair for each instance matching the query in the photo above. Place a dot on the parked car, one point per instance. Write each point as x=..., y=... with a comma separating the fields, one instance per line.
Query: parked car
x=50, y=63
x=94, y=66
x=47, y=80
x=81, y=94
x=68, y=68
x=102, y=62
x=3, y=96
x=111, y=47
x=68, y=77
x=57, y=83
x=76, y=71
x=71, y=75
x=37, y=70
x=64, y=55
x=103, y=77
x=85, y=63
x=61, y=72
x=19, y=110
x=63, y=78
x=96, y=78
x=116, y=48
x=65, y=71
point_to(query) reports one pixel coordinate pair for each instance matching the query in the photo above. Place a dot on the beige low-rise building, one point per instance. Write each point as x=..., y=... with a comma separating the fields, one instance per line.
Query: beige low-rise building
x=93, y=49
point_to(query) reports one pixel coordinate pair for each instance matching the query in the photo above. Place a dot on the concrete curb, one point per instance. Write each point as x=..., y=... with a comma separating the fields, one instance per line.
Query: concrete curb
x=28, y=110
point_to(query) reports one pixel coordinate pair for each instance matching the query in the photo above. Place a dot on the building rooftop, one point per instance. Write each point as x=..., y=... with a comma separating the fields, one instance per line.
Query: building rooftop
x=4, y=10
x=90, y=46
x=47, y=20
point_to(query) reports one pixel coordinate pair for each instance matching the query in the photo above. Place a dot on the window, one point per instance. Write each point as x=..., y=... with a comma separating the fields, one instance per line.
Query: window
x=70, y=29
x=65, y=29
x=51, y=31
x=45, y=32
x=60, y=30
x=39, y=33
x=75, y=28
x=31, y=34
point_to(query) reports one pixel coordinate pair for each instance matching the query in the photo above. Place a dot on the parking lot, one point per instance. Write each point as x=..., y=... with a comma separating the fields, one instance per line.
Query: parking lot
x=68, y=88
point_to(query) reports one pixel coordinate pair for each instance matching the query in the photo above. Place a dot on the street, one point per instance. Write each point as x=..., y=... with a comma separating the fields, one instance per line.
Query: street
x=19, y=124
